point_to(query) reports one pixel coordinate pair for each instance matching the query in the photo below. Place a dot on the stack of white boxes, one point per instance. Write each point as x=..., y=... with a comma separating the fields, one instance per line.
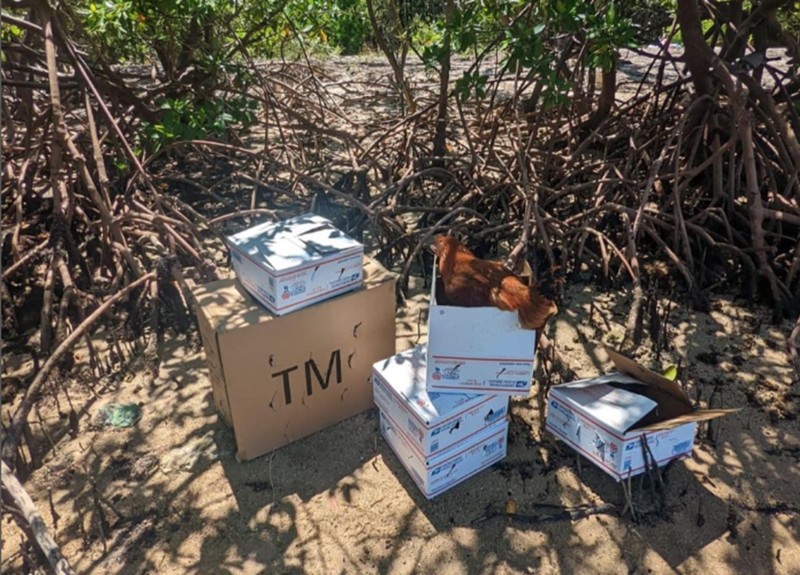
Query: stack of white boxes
x=444, y=405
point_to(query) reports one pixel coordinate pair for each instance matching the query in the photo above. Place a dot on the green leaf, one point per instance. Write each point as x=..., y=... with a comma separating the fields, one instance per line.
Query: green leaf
x=612, y=14
x=671, y=373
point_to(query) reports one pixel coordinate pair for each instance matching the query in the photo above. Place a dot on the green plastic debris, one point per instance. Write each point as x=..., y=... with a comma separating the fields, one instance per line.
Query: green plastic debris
x=120, y=415
x=671, y=373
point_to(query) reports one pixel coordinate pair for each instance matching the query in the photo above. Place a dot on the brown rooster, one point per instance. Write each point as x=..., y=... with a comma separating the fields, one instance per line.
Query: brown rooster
x=472, y=282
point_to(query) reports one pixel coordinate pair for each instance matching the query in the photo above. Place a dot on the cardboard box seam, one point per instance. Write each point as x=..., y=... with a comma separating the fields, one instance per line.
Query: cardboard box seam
x=440, y=356
x=442, y=488
x=476, y=389
x=224, y=382
x=462, y=443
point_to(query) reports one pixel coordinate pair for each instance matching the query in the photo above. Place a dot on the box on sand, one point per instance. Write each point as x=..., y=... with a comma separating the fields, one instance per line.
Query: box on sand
x=277, y=379
x=477, y=349
x=435, y=475
x=294, y=263
x=430, y=422
x=606, y=418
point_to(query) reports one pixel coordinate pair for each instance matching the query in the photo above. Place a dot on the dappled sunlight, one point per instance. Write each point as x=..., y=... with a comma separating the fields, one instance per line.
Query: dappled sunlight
x=340, y=501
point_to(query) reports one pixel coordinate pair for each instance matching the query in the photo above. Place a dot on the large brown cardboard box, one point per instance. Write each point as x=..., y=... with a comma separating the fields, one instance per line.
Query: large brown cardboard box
x=277, y=379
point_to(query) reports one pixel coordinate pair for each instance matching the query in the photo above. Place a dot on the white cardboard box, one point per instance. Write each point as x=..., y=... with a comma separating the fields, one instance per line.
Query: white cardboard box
x=291, y=264
x=606, y=418
x=478, y=349
x=430, y=421
x=437, y=474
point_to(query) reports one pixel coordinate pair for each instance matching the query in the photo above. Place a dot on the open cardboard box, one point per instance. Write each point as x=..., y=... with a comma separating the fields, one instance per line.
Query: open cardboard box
x=276, y=379
x=430, y=422
x=477, y=349
x=294, y=263
x=607, y=418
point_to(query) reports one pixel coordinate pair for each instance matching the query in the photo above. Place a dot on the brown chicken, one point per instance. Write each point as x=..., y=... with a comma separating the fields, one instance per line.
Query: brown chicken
x=472, y=282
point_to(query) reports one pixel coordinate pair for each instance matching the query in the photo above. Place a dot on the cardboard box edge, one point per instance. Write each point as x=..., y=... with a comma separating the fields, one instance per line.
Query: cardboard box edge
x=630, y=367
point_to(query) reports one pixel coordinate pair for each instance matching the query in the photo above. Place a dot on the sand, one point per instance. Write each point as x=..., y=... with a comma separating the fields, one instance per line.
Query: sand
x=339, y=501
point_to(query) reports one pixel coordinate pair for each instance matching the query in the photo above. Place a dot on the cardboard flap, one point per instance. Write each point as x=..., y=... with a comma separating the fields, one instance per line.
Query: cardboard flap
x=630, y=367
x=434, y=280
x=315, y=228
x=697, y=416
x=405, y=374
x=619, y=409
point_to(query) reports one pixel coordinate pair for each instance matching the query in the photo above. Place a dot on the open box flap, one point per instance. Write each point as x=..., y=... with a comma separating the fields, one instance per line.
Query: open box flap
x=630, y=367
x=697, y=416
x=619, y=408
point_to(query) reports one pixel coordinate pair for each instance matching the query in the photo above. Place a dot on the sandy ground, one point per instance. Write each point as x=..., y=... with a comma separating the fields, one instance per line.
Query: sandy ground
x=339, y=501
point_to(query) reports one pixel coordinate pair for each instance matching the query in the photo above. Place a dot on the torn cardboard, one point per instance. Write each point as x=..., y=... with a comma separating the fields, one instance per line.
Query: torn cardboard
x=618, y=419
x=478, y=349
x=435, y=475
x=276, y=379
x=294, y=263
x=430, y=422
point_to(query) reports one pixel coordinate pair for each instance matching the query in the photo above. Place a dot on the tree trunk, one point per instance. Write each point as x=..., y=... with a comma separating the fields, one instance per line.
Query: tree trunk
x=608, y=92
x=695, y=48
x=397, y=67
x=440, y=137
x=734, y=45
x=31, y=522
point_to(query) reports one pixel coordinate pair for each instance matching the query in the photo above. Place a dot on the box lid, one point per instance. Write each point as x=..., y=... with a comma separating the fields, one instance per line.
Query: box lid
x=644, y=375
x=405, y=373
x=228, y=306
x=285, y=245
x=617, y=408
x=671, y=388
